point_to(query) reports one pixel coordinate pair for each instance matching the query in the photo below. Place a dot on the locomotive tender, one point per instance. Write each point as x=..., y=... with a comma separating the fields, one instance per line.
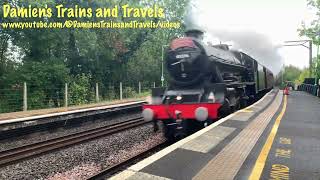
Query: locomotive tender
x=207, y=82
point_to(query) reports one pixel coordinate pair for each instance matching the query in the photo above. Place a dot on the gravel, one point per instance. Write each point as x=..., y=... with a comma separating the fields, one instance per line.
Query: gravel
x=82, y=161
x=78, y=172
x=45, y=135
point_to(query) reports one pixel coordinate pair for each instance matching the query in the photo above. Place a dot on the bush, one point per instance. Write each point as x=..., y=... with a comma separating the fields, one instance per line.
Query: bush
x=129, y=92
x=80, y=91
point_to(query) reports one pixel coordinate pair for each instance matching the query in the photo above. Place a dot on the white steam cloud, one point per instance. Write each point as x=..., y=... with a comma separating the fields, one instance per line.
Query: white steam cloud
x=233, y=26
x=257, y=45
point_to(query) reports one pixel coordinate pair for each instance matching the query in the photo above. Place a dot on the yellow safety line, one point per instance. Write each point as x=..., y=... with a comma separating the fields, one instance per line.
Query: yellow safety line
x=260, y=163
x=246, y=111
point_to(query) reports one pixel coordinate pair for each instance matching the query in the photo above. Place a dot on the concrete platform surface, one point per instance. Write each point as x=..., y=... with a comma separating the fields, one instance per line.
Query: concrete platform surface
x=10, y=127
x=278, y=137
x=44, y=112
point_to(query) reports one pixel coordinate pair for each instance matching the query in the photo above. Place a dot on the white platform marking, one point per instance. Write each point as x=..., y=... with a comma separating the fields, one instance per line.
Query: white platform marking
x=144, y=176
x=132, y=175
x=123, y=175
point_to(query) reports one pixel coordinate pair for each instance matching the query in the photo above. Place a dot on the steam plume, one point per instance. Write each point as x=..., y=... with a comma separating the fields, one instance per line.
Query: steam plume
x=255, y=44
x=249, y=40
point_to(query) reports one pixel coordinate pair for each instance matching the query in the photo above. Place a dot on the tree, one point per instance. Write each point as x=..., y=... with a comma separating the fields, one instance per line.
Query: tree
x=291, y=73
x=313, y=32
x=304, y=74
x=48, y=58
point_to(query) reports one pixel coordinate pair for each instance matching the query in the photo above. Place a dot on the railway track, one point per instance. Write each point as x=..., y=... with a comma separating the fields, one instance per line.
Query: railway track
x=105, y=173
x=24, y=152
x=63, y=119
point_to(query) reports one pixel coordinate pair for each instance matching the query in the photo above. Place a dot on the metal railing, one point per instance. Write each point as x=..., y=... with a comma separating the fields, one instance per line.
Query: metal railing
x=25, y=97
x=312, y=89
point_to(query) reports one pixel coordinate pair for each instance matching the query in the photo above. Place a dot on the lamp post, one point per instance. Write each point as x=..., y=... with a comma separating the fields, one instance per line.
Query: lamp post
x=282, y=73
x=317, y=56
x=162, y=64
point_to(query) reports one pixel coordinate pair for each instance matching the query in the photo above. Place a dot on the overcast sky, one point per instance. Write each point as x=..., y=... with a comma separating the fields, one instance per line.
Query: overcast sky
x=275, y=20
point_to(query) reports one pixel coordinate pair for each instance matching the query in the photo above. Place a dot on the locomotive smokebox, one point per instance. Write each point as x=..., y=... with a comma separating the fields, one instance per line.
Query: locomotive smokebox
x=186, y=61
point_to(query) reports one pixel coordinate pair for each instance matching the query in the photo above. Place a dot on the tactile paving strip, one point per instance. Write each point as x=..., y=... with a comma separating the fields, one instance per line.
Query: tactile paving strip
x=227, y=163
x=214, y=136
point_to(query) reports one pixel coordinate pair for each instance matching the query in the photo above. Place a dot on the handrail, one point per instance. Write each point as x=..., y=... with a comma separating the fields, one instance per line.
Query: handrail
x=312, y=89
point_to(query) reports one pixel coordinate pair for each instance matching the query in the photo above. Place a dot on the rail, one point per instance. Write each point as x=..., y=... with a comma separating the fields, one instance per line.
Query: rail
x=23, y=152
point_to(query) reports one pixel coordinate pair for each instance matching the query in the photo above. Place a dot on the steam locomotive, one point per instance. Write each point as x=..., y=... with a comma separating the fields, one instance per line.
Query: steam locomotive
x=206, y=82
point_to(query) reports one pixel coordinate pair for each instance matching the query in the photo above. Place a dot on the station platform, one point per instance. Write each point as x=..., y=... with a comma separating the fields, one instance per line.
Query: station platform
x=12, y=122
x=278, y=137
x=71, y=109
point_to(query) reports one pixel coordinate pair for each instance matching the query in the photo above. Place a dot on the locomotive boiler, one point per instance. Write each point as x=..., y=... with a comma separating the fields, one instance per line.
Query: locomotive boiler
x=207, y=82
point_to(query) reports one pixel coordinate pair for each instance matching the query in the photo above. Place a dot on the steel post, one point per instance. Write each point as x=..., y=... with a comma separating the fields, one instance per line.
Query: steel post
x=25, y=98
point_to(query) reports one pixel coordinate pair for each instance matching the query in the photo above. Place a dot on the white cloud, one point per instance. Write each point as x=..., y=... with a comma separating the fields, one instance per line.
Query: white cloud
x=275, y=20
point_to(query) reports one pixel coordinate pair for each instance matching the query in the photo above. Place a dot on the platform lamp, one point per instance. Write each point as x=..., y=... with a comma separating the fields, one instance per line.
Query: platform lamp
x=317, y=36
x=318, y=55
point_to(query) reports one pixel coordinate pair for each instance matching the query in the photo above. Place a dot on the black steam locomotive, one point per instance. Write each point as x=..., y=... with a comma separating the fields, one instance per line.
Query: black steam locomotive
x=207, y=82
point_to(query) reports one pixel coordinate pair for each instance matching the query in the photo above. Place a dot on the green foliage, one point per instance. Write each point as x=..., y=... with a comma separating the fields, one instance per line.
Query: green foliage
x=80, y=91
x=129, y=92
x=37, y=99
x=291, y=73
x=304, y=74
x=11, y=100
x=49, y=74
x=45, y=82
x=111, y=93
x=313, y=32
x=49, y=58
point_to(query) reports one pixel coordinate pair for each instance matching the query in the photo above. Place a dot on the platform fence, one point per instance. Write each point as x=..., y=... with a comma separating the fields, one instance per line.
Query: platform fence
x=312, y=89
x=24, y=96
